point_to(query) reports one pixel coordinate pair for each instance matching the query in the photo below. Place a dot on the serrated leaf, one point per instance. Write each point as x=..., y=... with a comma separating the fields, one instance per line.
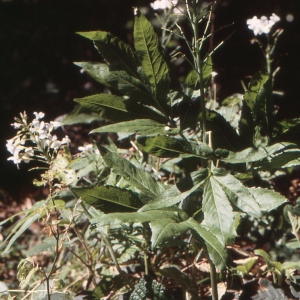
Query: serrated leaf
x=108, y=198
x=173, y=195
x=192, y=79
x=115, y=108
x=285, y=159
x=287, y=131
x=23, y=225
x=173, y=272
x=218, y=214
x=165, y=146
x=48, y=245
x=255, y=154
x=141, y=126
x=267, y=199
x=138, y=217
x=259, y=100
x=153, y=63
x=216, y=251
x=237, y=193
x=117, y=54
x=98, y=71
x=133, y=175
x=223, y=134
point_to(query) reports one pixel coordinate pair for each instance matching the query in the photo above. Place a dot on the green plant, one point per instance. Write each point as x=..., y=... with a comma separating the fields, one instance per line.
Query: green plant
x=186, y=184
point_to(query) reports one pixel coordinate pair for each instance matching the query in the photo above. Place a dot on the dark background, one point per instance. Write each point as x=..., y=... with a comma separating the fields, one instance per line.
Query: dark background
x=38, y=45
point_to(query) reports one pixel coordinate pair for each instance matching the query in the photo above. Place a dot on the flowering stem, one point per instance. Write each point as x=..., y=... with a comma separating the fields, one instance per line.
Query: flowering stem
x=198, y=66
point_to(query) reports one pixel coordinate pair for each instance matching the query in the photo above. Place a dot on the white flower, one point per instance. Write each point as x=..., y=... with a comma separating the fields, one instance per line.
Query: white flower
x=66, y=140
x=262, y=25
x=39, y=115
x=17, y=125
x=163, y=4
x=274, y=18
x=27, y=154
x=55, y=142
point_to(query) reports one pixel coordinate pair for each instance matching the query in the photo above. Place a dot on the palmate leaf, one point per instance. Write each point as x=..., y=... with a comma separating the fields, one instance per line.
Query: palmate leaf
x=150, y=54
x=141, y=126
x=165, y=146
x=140, y=179
x=237, y=193
x=267, y=199
x=117, y=109
x=216, y=251
x=218, y=214
x=108, y=198
x=117, y=54
x=173, y=195
x=256, y=154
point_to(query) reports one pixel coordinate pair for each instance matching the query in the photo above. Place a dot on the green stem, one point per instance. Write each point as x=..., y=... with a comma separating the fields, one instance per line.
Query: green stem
x=198, y=66
x=213, y=281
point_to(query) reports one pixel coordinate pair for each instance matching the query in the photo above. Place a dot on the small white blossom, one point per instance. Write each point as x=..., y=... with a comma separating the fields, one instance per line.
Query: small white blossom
x=39, y=115
x=66, y=140
x=17, y=125
x=262, y=25
x=163, y=4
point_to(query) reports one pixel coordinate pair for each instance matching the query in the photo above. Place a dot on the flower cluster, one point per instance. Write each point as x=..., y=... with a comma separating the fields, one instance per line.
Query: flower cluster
x=163, y=4
x=262, y=25
x=39, y=136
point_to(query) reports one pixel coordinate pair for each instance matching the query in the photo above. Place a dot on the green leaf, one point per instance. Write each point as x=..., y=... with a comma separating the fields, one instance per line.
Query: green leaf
x=192, y=79
x=173, y=272
x=108, y=198
x=255, y=154
x=277, y=266
x=259, y=100
x=38, y=211
x=217, y=210
x=48, y=245
x=151, y=56
x=139, y=217
x=98, y=71
x=173, y=195
x=287, y=131
x=165, y=146
x=117, y=109
x=216, y=250
x=133, y=175
x=267, y=199
x=141, y=126
x=117, y=54
x=237, y=193
x=223, y=134
x=246, y=126
x=285, y=159
x=291, y=265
